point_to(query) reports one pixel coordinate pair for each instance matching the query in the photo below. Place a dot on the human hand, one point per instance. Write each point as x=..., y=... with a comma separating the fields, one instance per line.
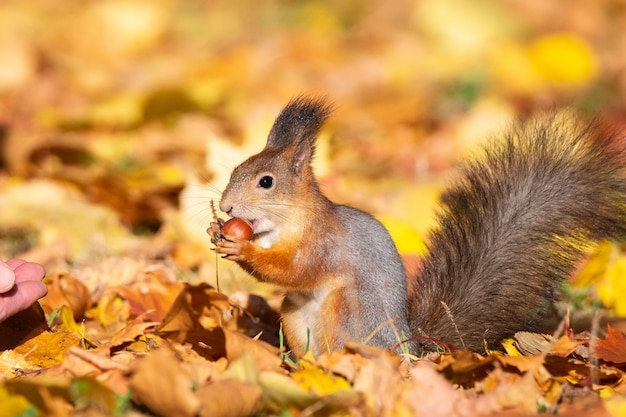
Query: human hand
x=20, y=286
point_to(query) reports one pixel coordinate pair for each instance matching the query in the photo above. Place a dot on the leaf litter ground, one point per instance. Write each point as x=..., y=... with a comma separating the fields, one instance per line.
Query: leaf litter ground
x=112, y=154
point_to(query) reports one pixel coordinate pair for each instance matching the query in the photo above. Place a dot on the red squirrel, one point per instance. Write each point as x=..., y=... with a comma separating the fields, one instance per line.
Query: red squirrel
x=512, y=227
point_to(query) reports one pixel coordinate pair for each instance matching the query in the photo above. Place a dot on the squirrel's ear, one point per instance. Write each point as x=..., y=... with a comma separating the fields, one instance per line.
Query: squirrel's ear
x=298, y=123
x=305, y=149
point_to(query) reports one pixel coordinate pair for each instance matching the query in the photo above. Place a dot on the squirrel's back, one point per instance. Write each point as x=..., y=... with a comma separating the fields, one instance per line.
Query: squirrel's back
x=513, y=226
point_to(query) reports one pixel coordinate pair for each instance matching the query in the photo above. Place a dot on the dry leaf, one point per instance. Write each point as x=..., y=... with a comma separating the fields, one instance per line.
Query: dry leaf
x=48, y=349
x=65, y=290
x=97, y=143
x=613, y=347
x=163, y=385
x=151, y=297
x=129, y=333
x=229, y=398
x=22, y=326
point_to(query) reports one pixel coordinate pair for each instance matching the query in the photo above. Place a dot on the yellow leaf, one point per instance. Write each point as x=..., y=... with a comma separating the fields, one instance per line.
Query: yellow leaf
x=110, y=309
x=509, y=347
x=48, y=349
x=68, y=323
x=123, y=110
x=564, y=59
x=513, y=70
x=280, y=392
x=11, y=363
x=616, y=406
x=88, y=392
x=314, y=379
x=407, y=239
x=596, y=267
x=14, y=404
x=612, y=288
x=46, y=392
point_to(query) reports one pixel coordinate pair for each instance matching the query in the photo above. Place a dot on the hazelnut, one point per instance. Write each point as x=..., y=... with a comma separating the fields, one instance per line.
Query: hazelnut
x=239, y=228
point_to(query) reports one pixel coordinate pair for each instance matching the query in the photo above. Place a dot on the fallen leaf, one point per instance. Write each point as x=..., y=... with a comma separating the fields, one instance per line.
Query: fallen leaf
x=163, y=385
x=229, y=398
x=613, y=286
x=613, y=347
x=528, y=343
x=129, y=333
x=48, y=349
x=564, y=346
x=151, y=297
x=549, y=52
x=12, y=364
x=314, y=379
x=89, y=393
x=14, y=404
x=48, y=393
x=65, y=290
x=281, y=392
x=196, y=307
x=22, y=326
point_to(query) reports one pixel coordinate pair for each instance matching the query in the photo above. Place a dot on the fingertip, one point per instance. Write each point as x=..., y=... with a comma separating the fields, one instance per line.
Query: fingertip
x=30, y=271
x=7, y=278
x=14, y=263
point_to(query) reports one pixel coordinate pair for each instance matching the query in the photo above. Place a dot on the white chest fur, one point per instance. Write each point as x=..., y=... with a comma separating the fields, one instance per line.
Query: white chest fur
x=302, y=315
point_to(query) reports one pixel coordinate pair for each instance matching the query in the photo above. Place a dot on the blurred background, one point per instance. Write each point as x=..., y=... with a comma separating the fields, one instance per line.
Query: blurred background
x=120, y=120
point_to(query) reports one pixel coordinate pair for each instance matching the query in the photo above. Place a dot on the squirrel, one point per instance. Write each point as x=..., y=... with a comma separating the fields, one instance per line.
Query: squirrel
x=512, y=227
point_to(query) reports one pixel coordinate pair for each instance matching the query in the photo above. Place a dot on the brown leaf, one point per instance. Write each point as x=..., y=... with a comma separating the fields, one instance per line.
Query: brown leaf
x=429, y=394
x=65, y=290
x=531, y=343
x=151, y=297
x=91, y=393
x=564, y=346
x=465, y=368
x=229, y=398
x=163, y=385
x=196, y=307
x=265, y=356
x=94, y=360
x=613, y=347
x=130, y=332
x=218, y=342
x=22, y=326
x=380, y=378
x=48, y=393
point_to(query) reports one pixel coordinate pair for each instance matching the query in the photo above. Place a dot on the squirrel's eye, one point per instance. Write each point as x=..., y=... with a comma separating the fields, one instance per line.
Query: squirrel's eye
x=266, y=182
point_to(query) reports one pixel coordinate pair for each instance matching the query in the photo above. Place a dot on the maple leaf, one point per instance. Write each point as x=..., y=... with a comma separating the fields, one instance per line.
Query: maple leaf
x=613, y=347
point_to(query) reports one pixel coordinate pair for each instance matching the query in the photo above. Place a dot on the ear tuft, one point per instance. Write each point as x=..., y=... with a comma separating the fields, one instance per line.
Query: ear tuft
x=299, y=121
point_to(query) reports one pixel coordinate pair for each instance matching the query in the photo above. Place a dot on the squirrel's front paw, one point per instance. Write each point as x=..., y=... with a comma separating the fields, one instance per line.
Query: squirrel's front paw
x=215, y=231
x=232, y=248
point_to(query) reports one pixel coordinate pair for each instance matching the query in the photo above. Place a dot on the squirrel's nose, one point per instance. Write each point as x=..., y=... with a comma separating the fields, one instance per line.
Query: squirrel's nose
x=225, y=207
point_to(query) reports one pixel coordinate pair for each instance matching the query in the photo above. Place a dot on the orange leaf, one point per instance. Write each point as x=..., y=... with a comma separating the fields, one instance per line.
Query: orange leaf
x=196, y=307
x=152, y=297
x=130, y=332
x=22, y=326
x=613, y=348
x=64, y=290
x=163, y=385
x=48, y=349
x=229, y=398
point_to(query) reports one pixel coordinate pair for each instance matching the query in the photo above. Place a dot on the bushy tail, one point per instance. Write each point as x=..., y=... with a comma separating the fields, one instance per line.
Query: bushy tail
x=514, y=226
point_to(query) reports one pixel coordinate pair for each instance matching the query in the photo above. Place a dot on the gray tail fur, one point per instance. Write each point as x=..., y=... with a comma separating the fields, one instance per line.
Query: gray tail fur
x=514, y=226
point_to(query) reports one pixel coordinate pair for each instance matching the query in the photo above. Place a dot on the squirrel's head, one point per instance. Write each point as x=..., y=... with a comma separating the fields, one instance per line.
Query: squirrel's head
x=270, y=185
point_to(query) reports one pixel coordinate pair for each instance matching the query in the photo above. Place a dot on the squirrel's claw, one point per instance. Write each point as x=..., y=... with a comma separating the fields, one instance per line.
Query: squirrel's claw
x=232, y=248
x=214, y=231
